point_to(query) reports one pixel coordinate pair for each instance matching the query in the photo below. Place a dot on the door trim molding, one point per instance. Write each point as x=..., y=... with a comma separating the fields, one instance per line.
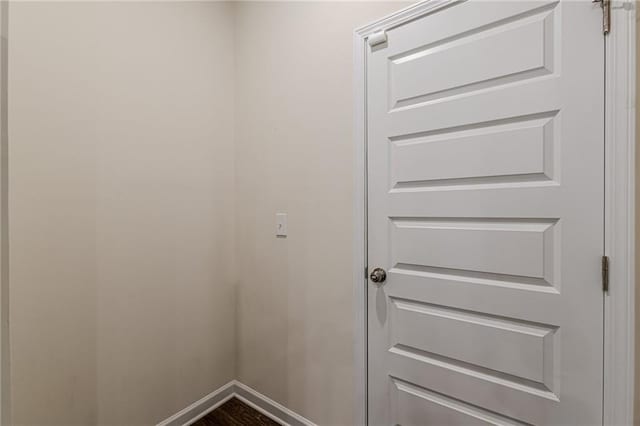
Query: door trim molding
x=619, y=305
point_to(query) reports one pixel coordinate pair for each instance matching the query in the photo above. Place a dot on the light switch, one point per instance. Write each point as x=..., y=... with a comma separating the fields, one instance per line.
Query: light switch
x=281, y=224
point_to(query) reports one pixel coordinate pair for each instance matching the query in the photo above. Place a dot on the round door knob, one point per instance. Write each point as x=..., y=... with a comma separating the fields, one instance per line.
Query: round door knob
x=378, y=275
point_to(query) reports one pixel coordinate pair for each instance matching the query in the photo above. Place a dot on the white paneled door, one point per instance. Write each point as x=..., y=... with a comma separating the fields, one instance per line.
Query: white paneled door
x=485, y=210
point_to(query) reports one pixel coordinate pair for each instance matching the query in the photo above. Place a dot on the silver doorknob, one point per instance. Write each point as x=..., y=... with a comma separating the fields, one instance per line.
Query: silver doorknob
x=378, y=275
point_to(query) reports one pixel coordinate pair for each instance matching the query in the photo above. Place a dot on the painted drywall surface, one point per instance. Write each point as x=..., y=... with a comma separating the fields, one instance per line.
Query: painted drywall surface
x=294, y=154
x=121, y=209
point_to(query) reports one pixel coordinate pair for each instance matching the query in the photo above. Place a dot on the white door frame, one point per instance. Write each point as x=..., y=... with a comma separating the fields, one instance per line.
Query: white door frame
x=619, y=305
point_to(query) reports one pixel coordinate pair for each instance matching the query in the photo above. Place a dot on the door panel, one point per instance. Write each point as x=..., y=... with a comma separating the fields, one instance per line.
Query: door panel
x=521, y=248
x=497, y=60
x=525, y=348
x=436, y=409
x=485, y=207
x=526, y=147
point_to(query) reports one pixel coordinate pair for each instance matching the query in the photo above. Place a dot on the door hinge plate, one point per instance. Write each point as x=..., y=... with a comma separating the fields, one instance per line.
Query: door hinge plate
x=605, y=273
x=606, y=15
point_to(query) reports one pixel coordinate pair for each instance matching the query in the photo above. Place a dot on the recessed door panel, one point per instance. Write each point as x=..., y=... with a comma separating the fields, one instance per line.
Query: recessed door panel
x=509, y=151
x=526, y=349
x=497, y=59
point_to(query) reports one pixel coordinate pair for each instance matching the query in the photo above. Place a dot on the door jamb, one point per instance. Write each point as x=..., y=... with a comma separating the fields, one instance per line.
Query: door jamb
x=620, y=110
x=620, y=140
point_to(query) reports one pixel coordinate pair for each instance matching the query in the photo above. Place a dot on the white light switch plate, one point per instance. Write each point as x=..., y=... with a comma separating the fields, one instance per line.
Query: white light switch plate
x=281, y=224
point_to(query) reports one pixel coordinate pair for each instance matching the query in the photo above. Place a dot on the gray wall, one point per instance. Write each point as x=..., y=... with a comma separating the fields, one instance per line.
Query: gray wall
x=121, y=209
x=294, y=154
x=151, y=144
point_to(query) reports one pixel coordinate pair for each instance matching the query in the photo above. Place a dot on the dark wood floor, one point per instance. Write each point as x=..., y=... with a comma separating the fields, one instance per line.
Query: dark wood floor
x=235, y=413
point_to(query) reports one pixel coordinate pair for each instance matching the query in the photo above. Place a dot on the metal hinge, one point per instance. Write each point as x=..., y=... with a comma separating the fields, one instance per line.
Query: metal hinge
x=366, y=273
x=605, y=274
x=606, y=15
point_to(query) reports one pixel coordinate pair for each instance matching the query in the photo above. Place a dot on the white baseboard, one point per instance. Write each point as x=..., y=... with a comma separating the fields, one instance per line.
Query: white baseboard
x=269, y=407
x=201, y=407
x=249, y=396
